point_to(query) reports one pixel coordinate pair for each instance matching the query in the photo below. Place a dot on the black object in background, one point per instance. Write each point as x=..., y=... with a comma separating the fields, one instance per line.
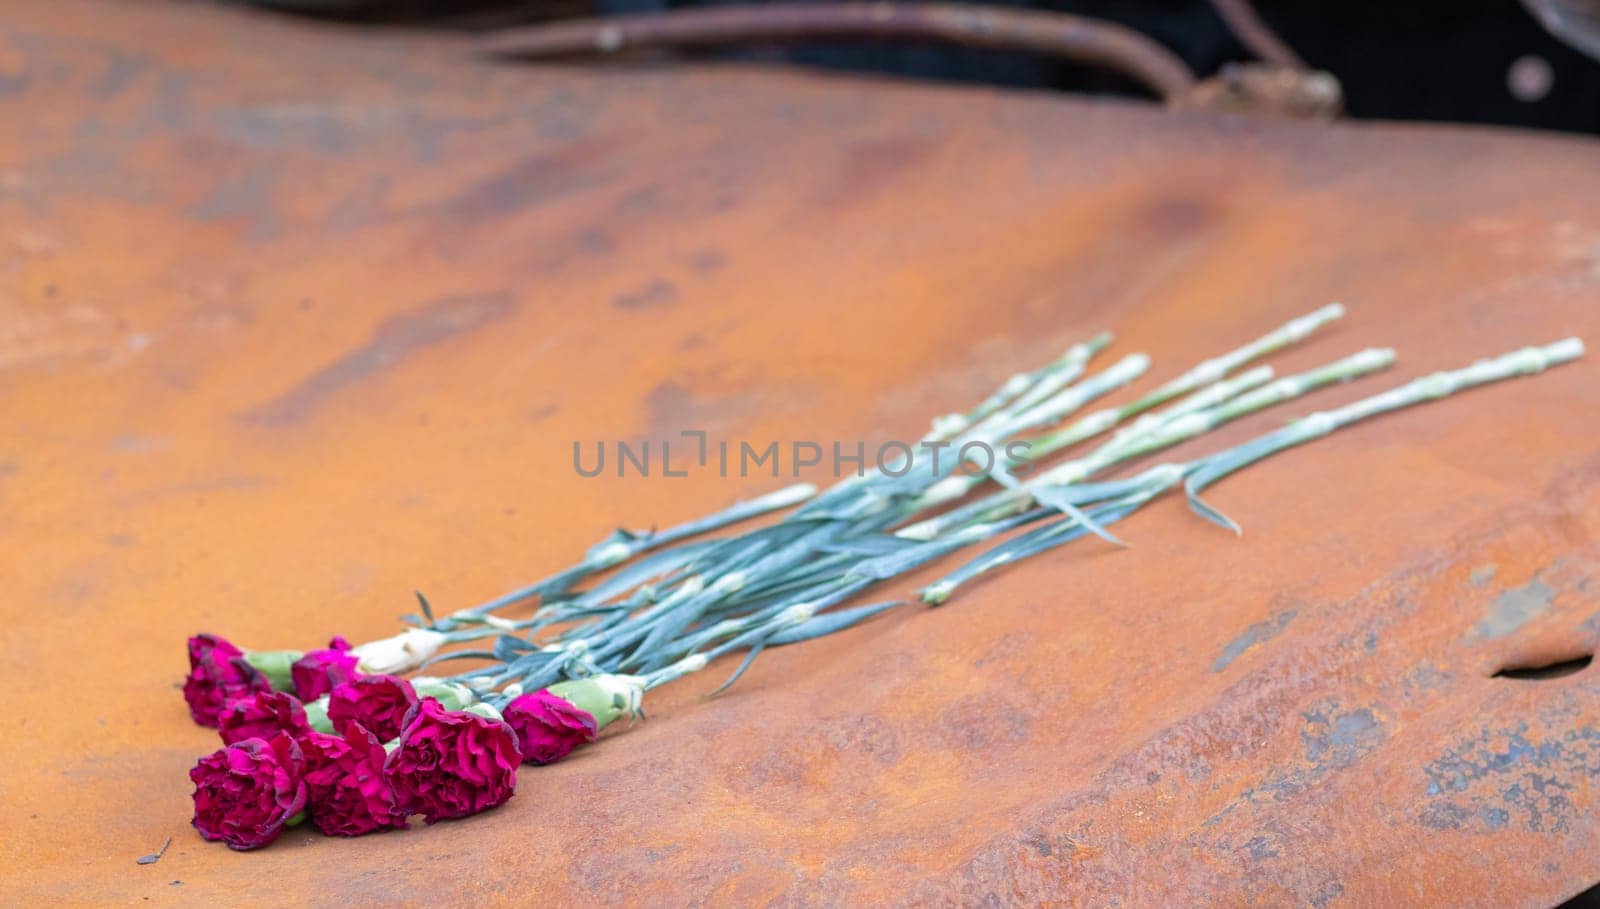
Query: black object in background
x=1483, y=62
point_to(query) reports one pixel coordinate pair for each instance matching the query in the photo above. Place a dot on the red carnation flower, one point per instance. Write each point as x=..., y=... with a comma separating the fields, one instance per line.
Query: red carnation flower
x=261, y=716
x=321, y=671
x=246, y=793
x=218, y=674
x=549, y=726
x=378, y=702
x=204, y=645
x=345, y=784
x=452, y=763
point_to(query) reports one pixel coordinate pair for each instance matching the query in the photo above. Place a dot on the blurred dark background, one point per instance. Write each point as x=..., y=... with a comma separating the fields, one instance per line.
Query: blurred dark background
x=1478, y=62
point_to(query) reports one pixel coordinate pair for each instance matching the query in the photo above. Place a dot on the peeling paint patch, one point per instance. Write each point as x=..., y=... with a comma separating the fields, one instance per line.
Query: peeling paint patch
x=1255, y=634
x=872, y=165
x=1445, y=816
x=656, y=293
x=1503, y=775
x=1330, y=892
x=531, y=181
x=248, y=199
x=392, y=341
x=1426, y=678
x=973, y=725
x=1591, y=625
x=1260, y=848
x=1337, y=739
x=1515, y=608
x=672, y=407
x=1483, y=574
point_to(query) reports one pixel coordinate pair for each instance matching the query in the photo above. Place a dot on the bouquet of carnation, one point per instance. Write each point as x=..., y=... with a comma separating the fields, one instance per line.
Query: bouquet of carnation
x=355, y=740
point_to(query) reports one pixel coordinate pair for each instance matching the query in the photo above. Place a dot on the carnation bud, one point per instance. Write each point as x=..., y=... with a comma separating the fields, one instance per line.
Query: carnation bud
x=275, y=665
x=450, y=695
x=485, y=710
x=604, y=697
x=317, y=715
x=549, y=726
x=400, y=654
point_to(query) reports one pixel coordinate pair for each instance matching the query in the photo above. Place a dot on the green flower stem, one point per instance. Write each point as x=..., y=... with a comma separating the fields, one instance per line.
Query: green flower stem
x=623, y=546
x=957, y=485
x=858, y=495
x=1198, y=423
x=672, y=612
x=1073, y=399
x=1524, y=362
x=1200, y=399
x=1291, y=332
x=1194, y=382
x=1196, y=475
x=683, y=608
x=791, y=617
x=687, y=666
x=1070, y=363
x=1029, y=386
x=886, y=498
x=1188, y=424
x=1048, y=383
x=1065, y=530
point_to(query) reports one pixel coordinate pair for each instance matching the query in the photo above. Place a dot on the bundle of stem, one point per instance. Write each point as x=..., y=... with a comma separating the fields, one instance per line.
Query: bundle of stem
x=672, y=604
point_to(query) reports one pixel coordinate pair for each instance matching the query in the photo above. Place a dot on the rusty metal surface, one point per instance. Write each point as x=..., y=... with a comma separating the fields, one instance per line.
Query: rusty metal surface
x=294, y=320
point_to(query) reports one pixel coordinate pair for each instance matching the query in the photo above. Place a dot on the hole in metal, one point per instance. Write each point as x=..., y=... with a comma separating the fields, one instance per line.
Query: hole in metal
x=1546, y=671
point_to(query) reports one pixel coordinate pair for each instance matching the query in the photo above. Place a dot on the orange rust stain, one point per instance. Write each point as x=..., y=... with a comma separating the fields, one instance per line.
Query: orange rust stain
x=234, y=213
